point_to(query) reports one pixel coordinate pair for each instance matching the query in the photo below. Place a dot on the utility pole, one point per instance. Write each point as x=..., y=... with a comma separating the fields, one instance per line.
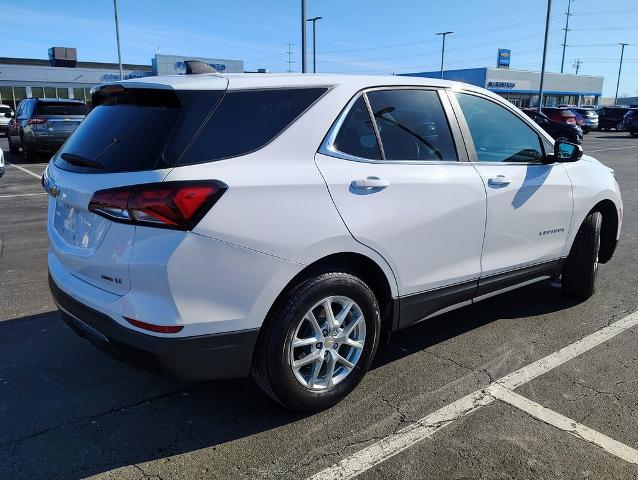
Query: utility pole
x=443, y=34
x=577, y=64
x=314, y=43
x=567, y=15
x=290, y=57
x=622, y=52
x=117, y=37
x=540, y=90
x=303, y=36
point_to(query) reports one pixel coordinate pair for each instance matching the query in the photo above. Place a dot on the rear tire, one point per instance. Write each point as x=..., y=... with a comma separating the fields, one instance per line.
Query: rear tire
x=581, y=267
x=13, y=148
x=29, y=155
x=273, y=366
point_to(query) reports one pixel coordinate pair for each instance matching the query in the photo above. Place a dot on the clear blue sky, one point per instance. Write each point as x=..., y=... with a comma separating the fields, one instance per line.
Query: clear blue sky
x=355, y=36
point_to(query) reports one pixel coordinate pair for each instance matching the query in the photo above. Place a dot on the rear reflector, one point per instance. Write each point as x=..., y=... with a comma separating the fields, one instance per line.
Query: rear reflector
x=155, y=328
x=176, y=205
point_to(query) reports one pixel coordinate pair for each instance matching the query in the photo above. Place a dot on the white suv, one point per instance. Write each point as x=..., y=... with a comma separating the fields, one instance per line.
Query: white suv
x=279, y=225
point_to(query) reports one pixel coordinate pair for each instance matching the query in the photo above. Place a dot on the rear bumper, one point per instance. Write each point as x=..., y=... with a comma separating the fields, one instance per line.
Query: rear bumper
x=44, y=143
x=203, y=357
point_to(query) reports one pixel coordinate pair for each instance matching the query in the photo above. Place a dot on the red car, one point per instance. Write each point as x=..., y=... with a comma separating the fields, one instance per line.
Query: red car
x=563, y=115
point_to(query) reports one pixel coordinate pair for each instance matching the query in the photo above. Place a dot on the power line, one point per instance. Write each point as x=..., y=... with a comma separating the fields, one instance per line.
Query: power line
x=422, y=42
x=577, y=64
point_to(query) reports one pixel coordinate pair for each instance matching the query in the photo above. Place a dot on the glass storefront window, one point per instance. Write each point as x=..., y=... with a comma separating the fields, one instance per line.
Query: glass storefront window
x=6, y=97
x=49, y=92
x=63, y=92
x=78, y=93
x=19, y=93
x=37, y=92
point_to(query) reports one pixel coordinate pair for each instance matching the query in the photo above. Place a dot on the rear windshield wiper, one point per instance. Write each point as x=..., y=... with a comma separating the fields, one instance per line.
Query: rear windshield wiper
x=80, y=161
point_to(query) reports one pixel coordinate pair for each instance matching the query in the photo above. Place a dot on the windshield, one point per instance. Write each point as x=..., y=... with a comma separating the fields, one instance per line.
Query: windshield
x=71, y=108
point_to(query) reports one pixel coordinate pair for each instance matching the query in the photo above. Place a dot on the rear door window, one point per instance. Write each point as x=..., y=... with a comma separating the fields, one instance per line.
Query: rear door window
x=61, y=108
x=412, y=125
x=246, y=120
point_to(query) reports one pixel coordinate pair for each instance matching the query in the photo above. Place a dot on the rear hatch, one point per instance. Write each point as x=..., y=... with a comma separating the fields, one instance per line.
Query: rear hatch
x=57, y=120
x=132, y=136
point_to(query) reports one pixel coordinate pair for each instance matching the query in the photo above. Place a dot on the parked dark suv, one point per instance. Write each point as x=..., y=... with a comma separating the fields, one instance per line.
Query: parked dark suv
x=562, y=131
x=611, y=117
x=630, y=122
x=43, y=125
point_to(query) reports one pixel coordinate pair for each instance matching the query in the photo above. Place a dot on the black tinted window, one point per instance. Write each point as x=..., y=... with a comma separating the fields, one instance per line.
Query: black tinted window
x=498, y=134
x=356, y=135
x=126, y=132
x=412, y=125
x=5, y=110
x=245, y=121
x=60, y=108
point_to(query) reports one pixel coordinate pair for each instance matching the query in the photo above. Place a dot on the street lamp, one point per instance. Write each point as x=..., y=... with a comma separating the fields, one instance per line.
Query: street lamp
x=314, y=43
x=622, y=52
x=444, y=34
x=540, y=90
x=117, y=37
x=303, y=36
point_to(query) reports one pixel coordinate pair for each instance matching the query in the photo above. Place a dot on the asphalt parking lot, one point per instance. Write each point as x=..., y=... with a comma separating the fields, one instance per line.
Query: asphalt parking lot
x=502, y=389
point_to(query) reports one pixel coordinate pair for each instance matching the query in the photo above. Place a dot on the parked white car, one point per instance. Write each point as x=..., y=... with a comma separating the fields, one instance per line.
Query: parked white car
x=219, y=225
x=6, y=114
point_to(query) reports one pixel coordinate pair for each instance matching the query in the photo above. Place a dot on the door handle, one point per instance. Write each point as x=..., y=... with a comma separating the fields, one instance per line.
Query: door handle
x=370, y=182
x=499, y=180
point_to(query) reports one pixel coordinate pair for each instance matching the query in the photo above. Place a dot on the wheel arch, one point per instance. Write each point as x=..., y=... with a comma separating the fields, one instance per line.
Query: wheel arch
x=608, y=229
x=356, y=264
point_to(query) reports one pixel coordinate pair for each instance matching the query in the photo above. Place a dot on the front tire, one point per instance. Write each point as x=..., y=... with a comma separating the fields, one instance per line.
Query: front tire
x=581, y=267
x=319, y=343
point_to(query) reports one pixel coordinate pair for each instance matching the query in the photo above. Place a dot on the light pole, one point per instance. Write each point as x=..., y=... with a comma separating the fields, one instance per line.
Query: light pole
x=443, y=34
x=117, y=37
x=303, y=36
x=540, y=90
x=622, y=52
x=314, y=43
x=569, y=7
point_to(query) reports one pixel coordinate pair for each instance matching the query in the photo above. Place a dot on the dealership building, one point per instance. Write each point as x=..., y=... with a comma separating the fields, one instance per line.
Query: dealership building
x=61, y=76
x=521, y=86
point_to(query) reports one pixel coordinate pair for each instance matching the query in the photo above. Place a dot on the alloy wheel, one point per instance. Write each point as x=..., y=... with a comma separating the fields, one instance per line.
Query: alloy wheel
x=327, y=343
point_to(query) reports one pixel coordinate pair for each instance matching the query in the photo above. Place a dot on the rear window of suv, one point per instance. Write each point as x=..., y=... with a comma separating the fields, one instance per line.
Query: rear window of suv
x=147, y=129
x=61, y=108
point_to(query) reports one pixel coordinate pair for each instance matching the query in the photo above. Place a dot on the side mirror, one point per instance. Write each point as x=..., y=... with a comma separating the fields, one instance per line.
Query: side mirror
x=567, y=152
x=8, y=115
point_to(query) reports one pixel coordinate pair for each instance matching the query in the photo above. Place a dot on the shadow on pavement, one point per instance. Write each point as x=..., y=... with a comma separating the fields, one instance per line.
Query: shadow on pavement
x=70, y=411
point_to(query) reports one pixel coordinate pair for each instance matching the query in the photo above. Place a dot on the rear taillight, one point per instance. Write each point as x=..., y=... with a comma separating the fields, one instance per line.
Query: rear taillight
x=177, y=205
x=36, y=120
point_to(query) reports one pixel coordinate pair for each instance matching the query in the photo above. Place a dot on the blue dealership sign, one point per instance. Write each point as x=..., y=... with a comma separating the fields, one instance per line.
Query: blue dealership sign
x=503, y=60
